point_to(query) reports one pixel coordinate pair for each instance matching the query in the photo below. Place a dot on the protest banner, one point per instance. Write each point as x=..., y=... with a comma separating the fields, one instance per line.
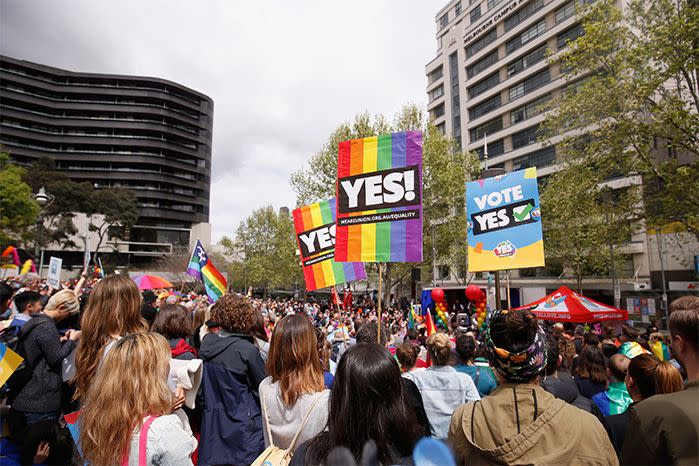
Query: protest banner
x=54, y=276
x=315, y=235
x=504, y=222
x=379, y=199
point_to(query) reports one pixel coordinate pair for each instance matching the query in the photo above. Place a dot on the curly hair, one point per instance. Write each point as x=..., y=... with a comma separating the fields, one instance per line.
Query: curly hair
x=234, y=313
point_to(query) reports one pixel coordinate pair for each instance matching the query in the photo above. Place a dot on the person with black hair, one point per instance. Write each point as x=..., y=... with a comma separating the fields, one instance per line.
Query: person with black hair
x=367, y=402
x=482, y=376
x=519, y=422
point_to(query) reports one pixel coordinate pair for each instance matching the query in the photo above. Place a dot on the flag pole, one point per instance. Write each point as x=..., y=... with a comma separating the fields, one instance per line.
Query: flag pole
x=378, y=335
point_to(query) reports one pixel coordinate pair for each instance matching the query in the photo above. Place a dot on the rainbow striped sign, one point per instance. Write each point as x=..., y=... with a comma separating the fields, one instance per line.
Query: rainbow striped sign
x=315, y=234
x=379, y=192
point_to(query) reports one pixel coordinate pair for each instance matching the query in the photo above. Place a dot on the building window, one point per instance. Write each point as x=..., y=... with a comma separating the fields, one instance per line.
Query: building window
x=444, y=20
x=435, y=75
x=483, y=85
x=525, y=137
x=529, y=110
x=455, y=98
x=475, y=14
x=486, y=128
x=565, y=12
x=569, y=35
x=528, y=35
x=441, y=128
x=492, y=3
x=481, y=43
x=494, y=148
x=523, y=13
x=438, y=111
x=484, y=107
x=539, y=158
x=437, y=92
x=533, y=82
x=533, y=57
x=457, y=9
x=482, y=64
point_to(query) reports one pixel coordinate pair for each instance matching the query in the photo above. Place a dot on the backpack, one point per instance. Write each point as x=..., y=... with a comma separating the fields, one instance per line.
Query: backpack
x=275, y=456
x=23, y=374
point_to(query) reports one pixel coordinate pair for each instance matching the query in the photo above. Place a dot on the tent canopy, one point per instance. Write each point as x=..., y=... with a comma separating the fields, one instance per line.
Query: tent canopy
x=565, y=305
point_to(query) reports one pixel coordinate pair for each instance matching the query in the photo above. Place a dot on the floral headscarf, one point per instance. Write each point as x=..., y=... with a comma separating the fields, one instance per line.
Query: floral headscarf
x=520, y=366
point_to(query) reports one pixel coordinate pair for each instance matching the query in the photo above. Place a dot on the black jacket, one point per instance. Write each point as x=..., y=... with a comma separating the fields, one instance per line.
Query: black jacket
x=44, y=353
x=567, y=390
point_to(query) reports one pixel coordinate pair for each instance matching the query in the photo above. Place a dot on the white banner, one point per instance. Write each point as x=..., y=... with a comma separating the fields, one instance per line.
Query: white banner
x=54, y=275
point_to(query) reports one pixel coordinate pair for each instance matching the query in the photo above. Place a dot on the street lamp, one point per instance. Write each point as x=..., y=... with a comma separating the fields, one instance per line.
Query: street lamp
x=44, y=200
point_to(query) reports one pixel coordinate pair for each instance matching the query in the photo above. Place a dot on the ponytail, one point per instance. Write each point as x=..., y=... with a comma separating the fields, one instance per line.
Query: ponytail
x=654, y=377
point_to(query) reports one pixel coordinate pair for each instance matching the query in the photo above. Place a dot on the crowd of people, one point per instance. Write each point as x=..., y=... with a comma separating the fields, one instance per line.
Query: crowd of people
x=289, y=382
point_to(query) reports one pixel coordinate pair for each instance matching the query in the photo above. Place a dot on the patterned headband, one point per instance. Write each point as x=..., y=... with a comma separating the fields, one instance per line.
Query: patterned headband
x=521, y=366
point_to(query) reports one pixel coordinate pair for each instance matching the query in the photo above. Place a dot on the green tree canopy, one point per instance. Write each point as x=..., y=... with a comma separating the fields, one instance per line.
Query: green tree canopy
x=18, y=210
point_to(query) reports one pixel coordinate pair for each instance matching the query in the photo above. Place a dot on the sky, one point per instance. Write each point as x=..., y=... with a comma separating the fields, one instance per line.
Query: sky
x=282, y=74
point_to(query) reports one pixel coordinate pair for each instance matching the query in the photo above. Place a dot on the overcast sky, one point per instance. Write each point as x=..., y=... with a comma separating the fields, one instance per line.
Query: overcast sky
x=282, y=74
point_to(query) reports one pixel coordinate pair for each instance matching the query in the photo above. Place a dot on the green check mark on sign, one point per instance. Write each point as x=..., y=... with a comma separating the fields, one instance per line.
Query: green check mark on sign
x=521, y=213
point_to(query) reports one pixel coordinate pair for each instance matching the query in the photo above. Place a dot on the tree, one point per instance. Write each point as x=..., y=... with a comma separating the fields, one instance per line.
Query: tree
x=266, y=243
x=112, y=212
x=69, y=197
x=634, y=92
x=445, y=171
x=18, y=210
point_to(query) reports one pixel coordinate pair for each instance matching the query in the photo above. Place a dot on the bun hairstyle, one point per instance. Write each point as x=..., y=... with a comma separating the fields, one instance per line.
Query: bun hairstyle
x=654, y=377
x=439, y=347
x=514, y=331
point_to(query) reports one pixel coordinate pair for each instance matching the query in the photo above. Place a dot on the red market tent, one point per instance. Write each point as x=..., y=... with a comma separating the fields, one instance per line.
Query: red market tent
x=565, y=305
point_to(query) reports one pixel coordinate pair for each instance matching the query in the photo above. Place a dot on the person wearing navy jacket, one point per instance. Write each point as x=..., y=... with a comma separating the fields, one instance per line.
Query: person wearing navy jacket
x=231, y=429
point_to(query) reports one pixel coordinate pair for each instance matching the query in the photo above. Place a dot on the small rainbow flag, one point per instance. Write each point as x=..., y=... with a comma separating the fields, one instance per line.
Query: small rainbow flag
x=201, y=268
x=315, y=234
x=379, y=193
x=9, y=362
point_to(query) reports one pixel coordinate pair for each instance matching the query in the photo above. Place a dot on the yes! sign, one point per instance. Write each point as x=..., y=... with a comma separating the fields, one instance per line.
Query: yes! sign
x=379, y=199
x=504, y=222
x=315, y=235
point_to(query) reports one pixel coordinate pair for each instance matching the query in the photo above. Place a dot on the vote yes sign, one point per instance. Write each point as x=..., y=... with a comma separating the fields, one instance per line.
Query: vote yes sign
x=315, y=235
x=379, y=199
x=504, y=222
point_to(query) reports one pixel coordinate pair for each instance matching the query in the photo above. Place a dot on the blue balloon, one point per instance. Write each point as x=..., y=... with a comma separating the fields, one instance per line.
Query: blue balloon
x=432, y=452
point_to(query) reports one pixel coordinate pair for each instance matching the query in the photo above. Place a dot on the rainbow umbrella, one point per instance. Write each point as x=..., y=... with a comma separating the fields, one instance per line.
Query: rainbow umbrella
x=148, y=282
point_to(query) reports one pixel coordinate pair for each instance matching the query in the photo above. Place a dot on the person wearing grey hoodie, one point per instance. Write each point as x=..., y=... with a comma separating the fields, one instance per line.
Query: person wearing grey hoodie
x=519, y=422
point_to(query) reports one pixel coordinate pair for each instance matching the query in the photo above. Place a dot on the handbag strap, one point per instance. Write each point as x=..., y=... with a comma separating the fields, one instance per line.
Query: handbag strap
x=264, y=412
x=303, y=423
x=142, y=444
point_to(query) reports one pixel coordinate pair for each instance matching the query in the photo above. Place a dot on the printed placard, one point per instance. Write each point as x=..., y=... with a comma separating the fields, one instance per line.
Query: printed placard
x=504, y=222
x=315, y=236
x=379, y=192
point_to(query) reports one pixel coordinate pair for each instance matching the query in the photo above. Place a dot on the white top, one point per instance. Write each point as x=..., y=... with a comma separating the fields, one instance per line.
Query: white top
x=168, y=444
x=285, y=421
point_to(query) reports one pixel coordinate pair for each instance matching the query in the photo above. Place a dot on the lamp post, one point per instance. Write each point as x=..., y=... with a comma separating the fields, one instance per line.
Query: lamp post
x=44, y=200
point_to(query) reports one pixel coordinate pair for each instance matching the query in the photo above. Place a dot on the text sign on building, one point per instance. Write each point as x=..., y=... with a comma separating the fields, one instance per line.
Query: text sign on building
x=504, y=222
x=510, y=7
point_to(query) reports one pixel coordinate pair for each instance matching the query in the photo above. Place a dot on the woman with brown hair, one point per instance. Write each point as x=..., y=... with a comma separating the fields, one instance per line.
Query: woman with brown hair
x=231, y=429
x=646, y=376
x=174, y=322
x=125, y=418
x=294, y=398
x=591, y=372
x=113, y=311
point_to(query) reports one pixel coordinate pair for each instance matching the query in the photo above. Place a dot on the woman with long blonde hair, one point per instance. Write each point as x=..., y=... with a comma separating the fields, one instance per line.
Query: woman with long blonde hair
x=113, y=311
x=125, y=415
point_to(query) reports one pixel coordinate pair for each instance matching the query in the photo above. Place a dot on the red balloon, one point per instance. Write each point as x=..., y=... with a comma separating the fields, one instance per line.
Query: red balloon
x=437, y=294
x=473, y=292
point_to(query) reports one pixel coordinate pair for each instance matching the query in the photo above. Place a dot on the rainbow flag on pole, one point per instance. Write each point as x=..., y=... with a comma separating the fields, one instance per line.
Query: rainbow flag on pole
x=202, y=269
x=9, y=362
x=315, y=234
x=379, y=199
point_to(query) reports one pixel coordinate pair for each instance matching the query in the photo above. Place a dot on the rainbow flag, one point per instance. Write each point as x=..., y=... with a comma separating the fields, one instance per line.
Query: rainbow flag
x=202, y=269
x=315, y=235
x=429, y=323
x=379, y=193
x=9, y=362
